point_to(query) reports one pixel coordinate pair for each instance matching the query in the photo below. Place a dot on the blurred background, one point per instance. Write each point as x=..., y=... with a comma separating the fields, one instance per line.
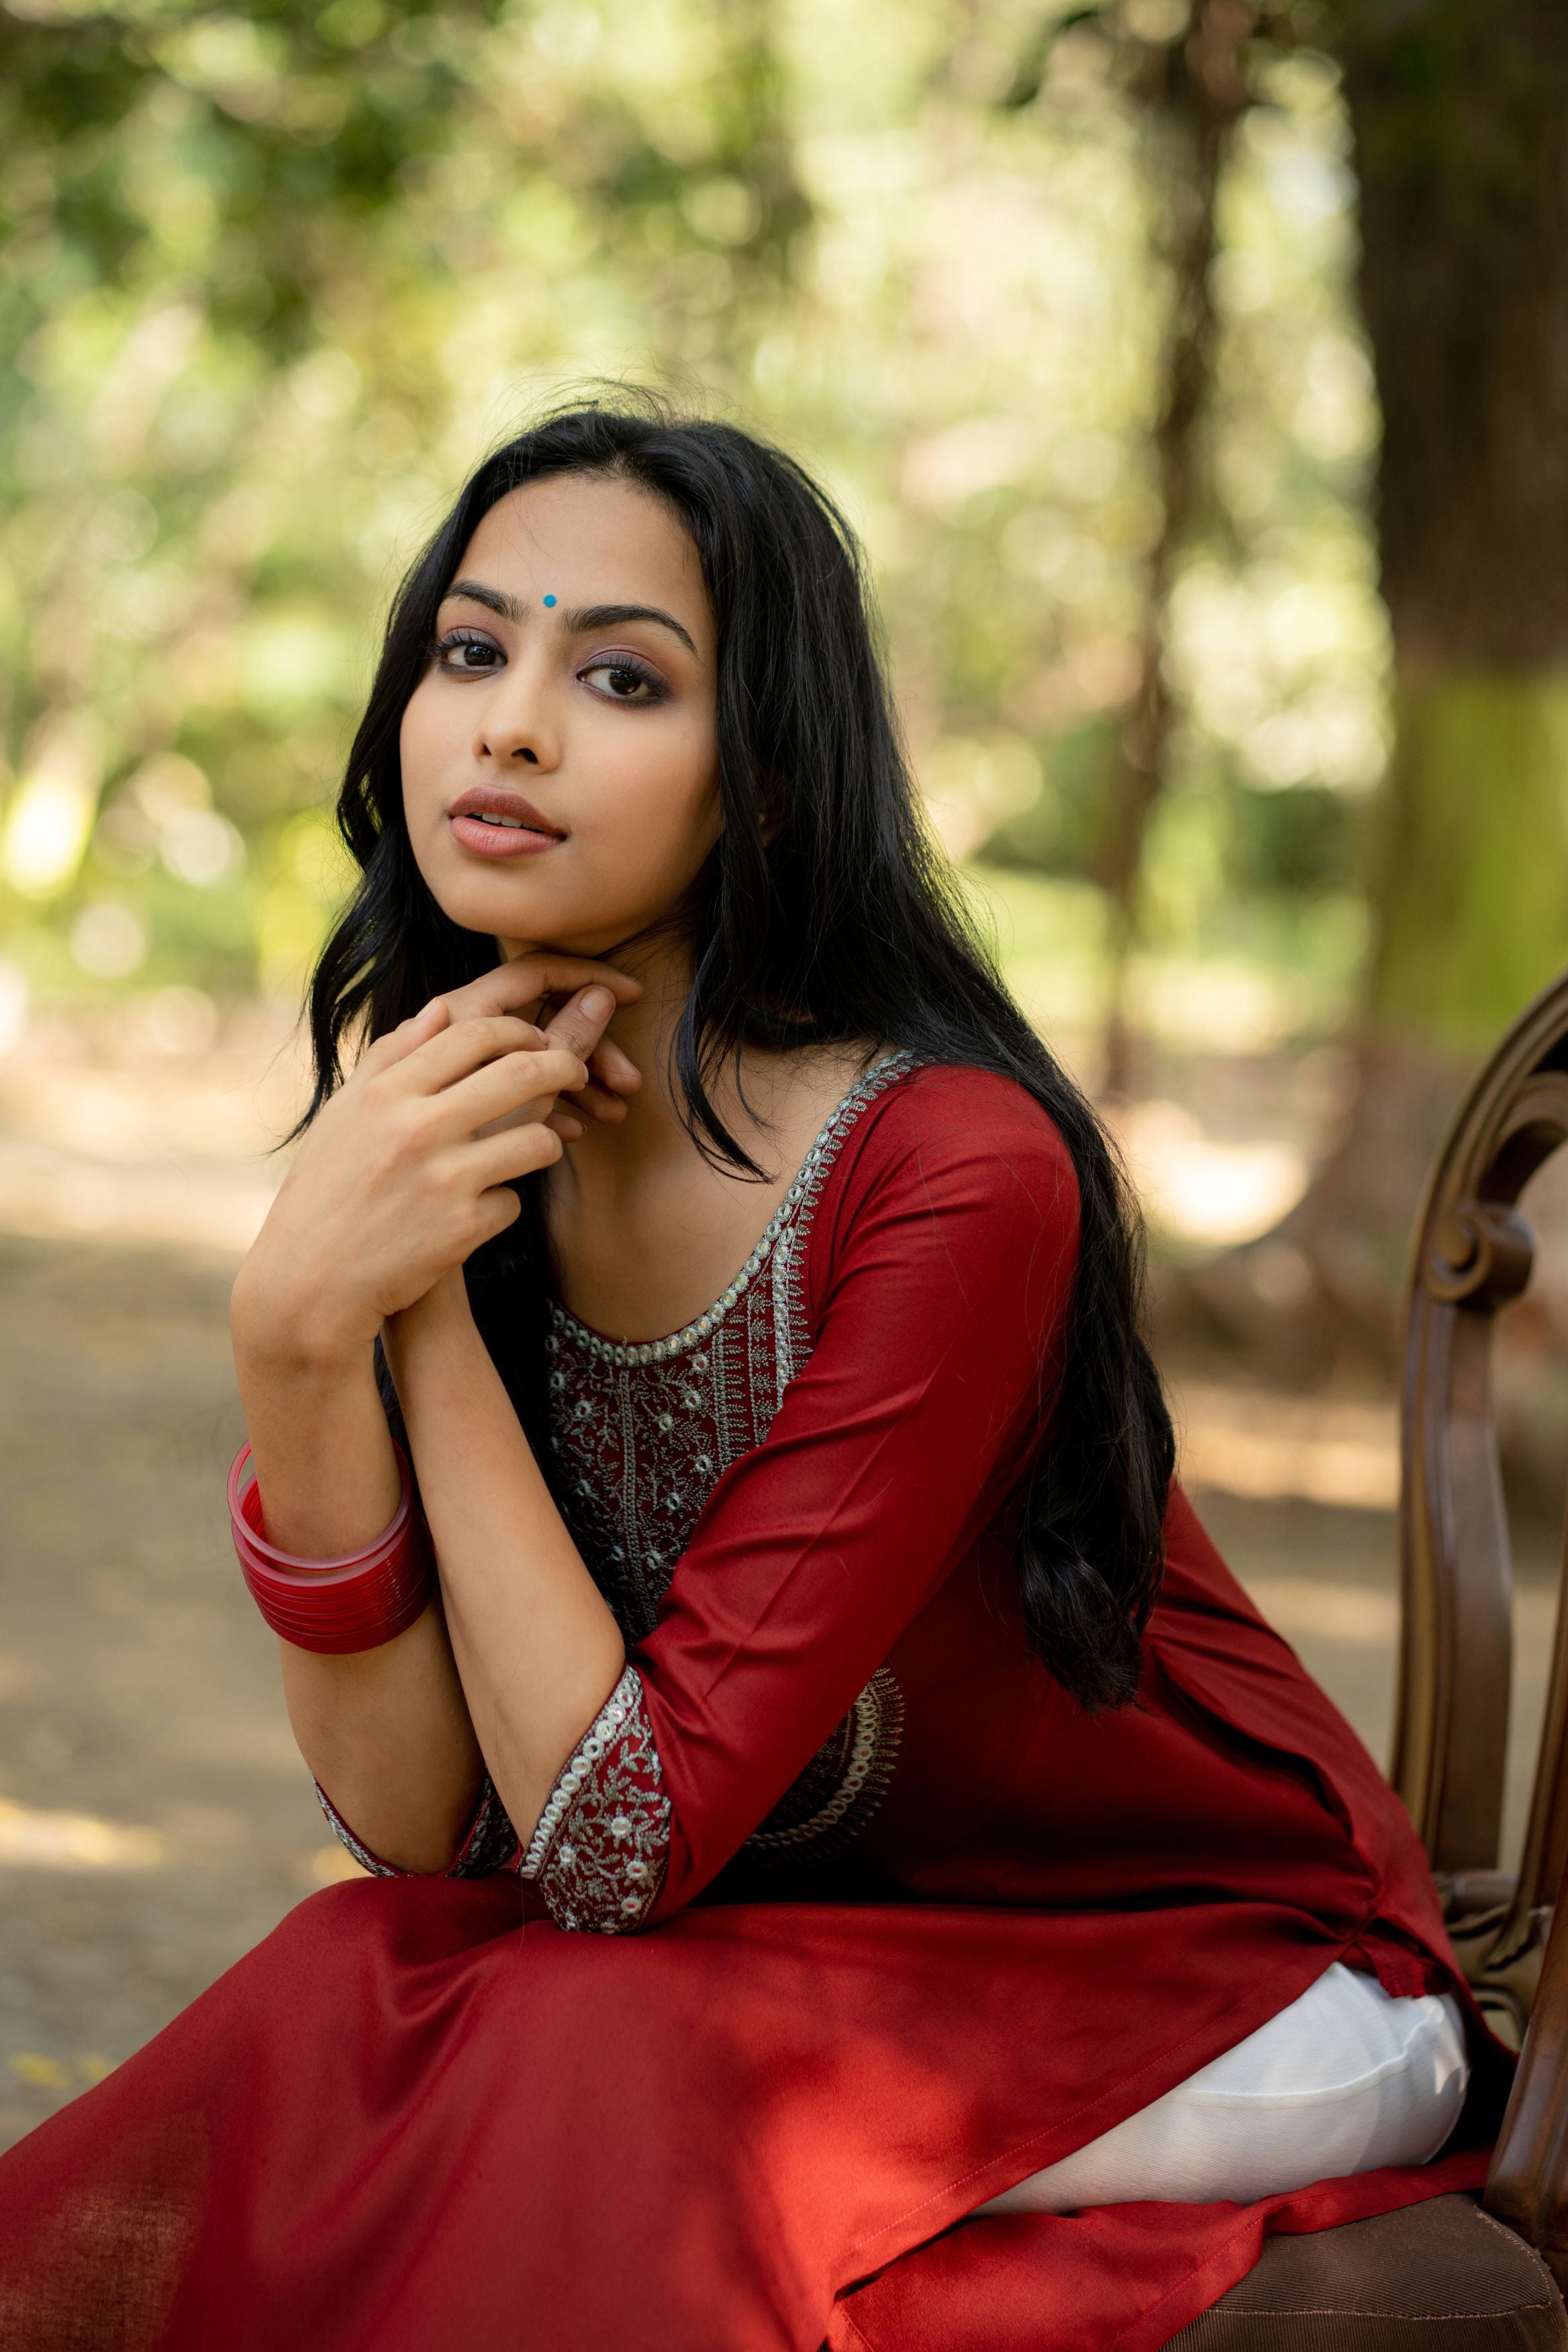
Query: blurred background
x=1196, y=371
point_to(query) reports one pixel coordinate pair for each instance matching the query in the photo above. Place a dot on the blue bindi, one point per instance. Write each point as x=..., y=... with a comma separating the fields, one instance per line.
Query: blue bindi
x=550, y=600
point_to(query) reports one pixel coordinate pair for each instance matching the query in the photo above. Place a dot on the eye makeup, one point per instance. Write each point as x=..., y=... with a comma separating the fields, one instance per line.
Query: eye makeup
x=625, y=667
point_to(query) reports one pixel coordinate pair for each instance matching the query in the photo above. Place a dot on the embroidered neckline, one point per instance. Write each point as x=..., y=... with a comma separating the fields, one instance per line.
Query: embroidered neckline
x=808, y=1179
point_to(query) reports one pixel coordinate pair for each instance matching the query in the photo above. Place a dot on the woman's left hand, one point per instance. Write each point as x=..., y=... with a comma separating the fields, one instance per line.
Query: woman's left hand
x=514, y=988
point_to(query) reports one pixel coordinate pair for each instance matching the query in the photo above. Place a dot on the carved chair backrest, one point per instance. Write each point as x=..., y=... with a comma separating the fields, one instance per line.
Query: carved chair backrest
x=1473, y=1253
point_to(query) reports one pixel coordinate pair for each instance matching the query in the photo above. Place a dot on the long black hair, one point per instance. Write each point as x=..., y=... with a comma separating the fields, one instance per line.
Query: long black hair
x=825, y=914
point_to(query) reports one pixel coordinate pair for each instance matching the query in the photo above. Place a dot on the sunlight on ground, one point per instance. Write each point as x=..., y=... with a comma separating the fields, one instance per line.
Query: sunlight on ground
x=1198, y=1190
x=329, y=1865
x=108, y=1130
x=1297, y=1605
x=45, y=2073
x=1253, y=1442
x=31, y=1840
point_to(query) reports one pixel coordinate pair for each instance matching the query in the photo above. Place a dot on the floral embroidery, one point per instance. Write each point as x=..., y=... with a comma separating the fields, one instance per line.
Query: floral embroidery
x=598, y=1853
x=828, y=1807
x=345, y=1836
x=641, y=1435
x=490, y=1843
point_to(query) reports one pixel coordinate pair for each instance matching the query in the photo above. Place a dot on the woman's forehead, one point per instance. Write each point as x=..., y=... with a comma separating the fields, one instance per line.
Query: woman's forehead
x=599, y=539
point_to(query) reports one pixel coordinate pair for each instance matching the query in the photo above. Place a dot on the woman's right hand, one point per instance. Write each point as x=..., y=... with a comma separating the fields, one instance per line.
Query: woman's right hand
x=397, y=1181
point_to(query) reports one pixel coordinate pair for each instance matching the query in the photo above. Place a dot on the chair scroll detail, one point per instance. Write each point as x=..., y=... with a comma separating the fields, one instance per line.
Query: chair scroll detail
x=1473, y=1253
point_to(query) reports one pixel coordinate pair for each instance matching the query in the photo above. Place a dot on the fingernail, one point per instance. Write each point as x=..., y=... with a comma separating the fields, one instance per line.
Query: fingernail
x=598, y=1004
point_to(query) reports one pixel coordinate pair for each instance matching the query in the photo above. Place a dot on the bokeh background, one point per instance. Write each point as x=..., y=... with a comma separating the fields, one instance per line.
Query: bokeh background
x=1196, y=371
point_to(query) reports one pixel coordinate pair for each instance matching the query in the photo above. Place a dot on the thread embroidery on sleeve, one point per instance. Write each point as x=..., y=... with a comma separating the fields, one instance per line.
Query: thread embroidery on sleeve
x=490, y=1843
x=599, y=1851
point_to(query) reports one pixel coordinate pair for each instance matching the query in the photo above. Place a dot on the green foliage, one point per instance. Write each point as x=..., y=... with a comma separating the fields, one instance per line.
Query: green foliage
x=1475, y=847
x=1303, y=841
x=274, y=276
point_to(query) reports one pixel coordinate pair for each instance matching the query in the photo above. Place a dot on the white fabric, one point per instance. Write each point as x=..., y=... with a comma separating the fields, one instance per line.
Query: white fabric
x=1345, y=2080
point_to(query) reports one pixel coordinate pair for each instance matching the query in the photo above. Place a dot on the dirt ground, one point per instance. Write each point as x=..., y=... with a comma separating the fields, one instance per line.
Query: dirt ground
x=156, y=1821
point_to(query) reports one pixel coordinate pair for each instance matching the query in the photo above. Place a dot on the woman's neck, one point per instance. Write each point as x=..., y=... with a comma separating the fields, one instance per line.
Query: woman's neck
x=616, y=1155
x=645, y=1232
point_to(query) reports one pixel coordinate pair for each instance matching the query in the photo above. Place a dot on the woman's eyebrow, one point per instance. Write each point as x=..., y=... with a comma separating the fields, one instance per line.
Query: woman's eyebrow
x=494, y=600
x=608, y=617
x=585, y=618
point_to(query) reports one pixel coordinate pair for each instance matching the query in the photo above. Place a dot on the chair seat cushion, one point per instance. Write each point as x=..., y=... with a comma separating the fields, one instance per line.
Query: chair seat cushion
x=1442, y=2276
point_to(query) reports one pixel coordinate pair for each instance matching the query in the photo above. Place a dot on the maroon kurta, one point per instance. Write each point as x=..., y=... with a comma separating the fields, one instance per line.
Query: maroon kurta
x=919, y=1926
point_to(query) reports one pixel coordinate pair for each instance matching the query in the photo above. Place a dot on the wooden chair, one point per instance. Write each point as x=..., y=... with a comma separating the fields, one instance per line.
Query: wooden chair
x=1449, y=2273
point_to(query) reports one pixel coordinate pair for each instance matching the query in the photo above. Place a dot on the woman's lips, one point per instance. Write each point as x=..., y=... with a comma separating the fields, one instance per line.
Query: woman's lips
x=495, y=838
x=501, y=825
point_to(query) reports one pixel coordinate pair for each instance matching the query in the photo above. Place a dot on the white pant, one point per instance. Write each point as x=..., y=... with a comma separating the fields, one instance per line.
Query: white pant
x=1345, y=2080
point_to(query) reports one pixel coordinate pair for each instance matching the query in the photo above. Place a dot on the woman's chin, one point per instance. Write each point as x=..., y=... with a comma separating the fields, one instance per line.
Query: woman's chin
x=522, y=922
x=600, y=941
x=552, y=944
x=535, y=921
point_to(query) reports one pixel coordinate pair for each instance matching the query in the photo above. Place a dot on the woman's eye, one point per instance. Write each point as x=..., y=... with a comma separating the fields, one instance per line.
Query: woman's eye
x=624, y=681
x=471, y=655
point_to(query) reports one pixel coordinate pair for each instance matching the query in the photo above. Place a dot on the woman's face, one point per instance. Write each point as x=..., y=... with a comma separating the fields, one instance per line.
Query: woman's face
x=560, y=755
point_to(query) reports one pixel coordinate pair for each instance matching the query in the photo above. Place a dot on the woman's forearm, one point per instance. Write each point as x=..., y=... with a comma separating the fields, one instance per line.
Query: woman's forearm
x=536, y=1647
x=406, y=1171
x=318, y=1439
x=385, y=1731
x=388, y=1733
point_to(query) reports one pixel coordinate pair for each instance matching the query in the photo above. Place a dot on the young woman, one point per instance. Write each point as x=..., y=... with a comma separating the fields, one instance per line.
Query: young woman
x=826, y=1786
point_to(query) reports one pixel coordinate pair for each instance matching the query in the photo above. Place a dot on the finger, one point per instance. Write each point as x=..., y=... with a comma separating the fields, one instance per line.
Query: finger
x=583, y=1020
x=595, y=1102
x=511, y=987
x=496, y=1210
x=399, y=1043
x=562, y=1123
x=613, y=1068
x=528, y=1114
x=520, y=1151
x=519, y=1084
x=452, y=1054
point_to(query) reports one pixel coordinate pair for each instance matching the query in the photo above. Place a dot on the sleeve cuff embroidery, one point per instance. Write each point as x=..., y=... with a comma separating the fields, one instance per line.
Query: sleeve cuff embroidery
x=599, y=1852
x=488, y=1843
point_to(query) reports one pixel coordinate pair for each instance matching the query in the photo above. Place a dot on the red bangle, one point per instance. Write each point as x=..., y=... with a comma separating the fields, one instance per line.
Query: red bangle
x=334, y=1606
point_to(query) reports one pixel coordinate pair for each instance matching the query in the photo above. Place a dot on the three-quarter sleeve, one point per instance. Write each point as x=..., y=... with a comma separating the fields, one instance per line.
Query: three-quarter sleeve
x=598, y=1853
x=488, y=1843
x=938, y=1275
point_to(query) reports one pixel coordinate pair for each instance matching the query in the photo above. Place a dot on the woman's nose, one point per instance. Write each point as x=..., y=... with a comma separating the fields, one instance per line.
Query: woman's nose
x=516, y=727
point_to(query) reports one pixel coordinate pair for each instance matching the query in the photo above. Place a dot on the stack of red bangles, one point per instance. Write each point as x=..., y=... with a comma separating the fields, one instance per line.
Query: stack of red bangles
x=334, y=1605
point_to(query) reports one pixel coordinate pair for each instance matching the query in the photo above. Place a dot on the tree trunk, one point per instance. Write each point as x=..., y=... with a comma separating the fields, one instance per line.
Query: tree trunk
x=1195, y=93
x=1461, y=118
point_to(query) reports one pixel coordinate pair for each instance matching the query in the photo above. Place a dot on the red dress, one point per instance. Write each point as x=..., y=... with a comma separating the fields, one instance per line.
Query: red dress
x=920, y=1926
